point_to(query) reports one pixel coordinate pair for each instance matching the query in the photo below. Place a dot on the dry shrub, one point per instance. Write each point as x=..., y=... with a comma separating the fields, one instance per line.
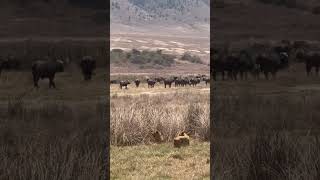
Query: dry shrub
x=49, y=140
x=133, y=117
x=267, y=156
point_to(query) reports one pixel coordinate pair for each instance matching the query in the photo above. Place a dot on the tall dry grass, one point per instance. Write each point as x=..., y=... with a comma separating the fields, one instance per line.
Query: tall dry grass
x=133, y=118
x=265, y=135
x=52, y=140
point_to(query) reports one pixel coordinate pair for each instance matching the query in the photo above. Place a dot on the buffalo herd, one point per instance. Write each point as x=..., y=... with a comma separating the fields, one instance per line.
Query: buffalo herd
x=261, y=58
x=167, y=82
x=47, y=68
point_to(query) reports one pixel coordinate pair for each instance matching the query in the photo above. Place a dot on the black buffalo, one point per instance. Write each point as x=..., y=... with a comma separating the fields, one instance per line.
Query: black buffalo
x=194, y=81
x=206, y=80
x=151, y=83
x=272, y=63
x=46, y=69
x=87, y=64
x=311, y=59
x=137, y=82
x=10, y=63
x=168, y=82
x=124, y=83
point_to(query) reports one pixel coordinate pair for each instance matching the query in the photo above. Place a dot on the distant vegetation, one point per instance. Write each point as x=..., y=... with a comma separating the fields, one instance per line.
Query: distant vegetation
x=191, y=58
x=143, y=58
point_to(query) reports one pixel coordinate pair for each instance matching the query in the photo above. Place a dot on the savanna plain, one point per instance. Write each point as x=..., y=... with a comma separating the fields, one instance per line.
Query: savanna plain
x=266, y=129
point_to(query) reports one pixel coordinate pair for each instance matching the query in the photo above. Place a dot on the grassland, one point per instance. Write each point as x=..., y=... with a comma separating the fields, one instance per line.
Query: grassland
x=136, y=112
x=267, y=129
x=53, y=133
x=161, y=161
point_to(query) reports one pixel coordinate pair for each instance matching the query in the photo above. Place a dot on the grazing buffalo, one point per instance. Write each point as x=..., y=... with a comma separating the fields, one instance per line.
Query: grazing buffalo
x=168, y=82
x=11, y=63
x=311, y=59
x=137, y=82
x=272, y=63
x=46, y=69
x=124, y=83
x=151, y=83
x=194, y=81
x=181, y=82
x=206, y=80
x=87, y=64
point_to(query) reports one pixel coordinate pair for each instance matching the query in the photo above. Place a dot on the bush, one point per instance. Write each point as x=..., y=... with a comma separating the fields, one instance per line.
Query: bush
x=143, y=58
x=191, y=58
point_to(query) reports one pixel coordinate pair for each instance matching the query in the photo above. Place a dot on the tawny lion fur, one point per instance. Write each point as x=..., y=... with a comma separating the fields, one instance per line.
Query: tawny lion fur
x=181, y=140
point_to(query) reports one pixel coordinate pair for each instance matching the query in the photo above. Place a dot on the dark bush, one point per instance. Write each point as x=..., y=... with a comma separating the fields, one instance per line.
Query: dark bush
x=191, y=58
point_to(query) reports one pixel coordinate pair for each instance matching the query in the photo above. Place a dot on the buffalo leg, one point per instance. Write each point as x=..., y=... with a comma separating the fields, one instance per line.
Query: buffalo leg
x=266, y=74
x=308, y=69
x=35, y=81
x=51, y=83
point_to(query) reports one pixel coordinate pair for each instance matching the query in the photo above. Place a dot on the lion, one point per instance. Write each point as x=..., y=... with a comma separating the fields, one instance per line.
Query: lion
x=181, y=140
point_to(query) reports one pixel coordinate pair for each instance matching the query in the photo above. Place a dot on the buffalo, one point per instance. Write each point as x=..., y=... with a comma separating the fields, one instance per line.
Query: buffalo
x=87, y=64
x=124, y=83
x=151, y=83
x=206, y=80
x=46, y=69
x=10, y=63
x=272, y=63
x=311, y=59
x=168, y=82
x=181, y=82
x=194, y=81
x=137, y=82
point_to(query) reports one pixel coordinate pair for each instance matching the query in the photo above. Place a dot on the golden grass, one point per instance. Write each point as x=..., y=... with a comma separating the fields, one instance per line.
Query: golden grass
x=137, y=112
x=161, y=161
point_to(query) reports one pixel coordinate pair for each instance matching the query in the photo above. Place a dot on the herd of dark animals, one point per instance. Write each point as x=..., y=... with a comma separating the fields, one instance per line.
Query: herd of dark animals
x=261, y=58
x=42, y=69
x=177, y=81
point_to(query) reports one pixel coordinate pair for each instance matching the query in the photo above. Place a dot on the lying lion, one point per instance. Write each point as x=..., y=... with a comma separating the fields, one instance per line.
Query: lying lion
x=181, y=140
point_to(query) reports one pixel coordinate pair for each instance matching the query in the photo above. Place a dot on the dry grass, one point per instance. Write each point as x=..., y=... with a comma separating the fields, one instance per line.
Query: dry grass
x=137, y=112
x=161, y=161
x=53, y=133
x=267, y=129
